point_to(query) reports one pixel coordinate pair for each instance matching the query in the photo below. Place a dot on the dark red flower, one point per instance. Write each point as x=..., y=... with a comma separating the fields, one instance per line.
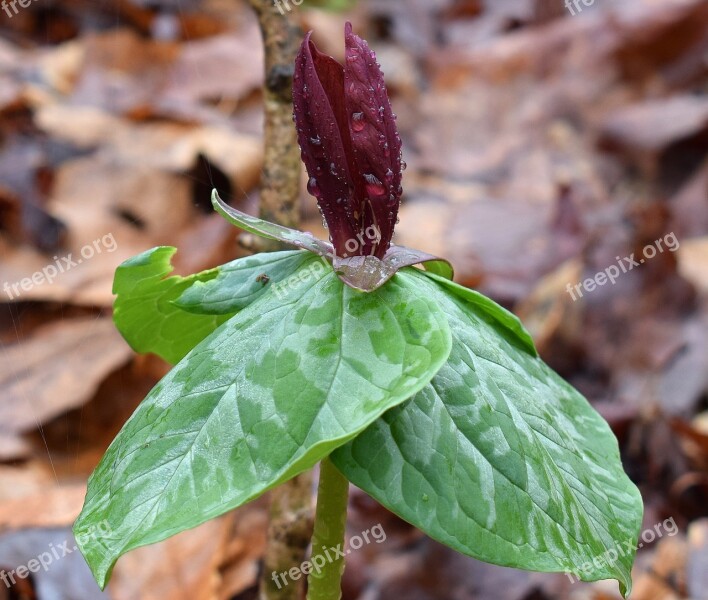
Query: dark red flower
x=350, y=145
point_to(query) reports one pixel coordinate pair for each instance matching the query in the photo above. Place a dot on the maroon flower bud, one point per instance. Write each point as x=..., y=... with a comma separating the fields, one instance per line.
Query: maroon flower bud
x=350, y=145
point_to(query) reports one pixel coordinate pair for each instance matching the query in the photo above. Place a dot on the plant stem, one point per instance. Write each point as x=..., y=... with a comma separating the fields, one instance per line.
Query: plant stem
x=330, y=523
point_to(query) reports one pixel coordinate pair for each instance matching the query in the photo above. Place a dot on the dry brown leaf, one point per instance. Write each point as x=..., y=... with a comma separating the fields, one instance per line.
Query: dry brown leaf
x=198, y=72
x=690, y=205
x=58, y=368
x=183, y=567
x=697, y=574
x=693, y=262
x=244, y=550
x=49, y=507
x=30, y=479
x=13, y=447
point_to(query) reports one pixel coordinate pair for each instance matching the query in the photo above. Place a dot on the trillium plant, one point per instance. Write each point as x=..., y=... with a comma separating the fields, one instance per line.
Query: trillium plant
x=362, y=356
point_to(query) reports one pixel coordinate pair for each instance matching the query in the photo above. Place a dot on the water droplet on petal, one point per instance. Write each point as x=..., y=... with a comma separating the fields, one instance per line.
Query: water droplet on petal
x=316, y=141
x=312, y=187
x=333, y=168
x=358, y=121
x=404, y=166
x=389, y=175
x=373, y=186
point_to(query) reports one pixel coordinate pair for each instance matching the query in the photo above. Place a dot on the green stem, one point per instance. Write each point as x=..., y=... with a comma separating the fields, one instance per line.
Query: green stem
x=325, y=581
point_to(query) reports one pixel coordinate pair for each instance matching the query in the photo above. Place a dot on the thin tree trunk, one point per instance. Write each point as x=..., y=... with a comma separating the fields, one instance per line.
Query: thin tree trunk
x=281, y=169
x=291, y=513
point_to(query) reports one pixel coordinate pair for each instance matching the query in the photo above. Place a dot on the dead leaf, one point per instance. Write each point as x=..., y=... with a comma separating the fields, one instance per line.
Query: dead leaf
x=57, y=369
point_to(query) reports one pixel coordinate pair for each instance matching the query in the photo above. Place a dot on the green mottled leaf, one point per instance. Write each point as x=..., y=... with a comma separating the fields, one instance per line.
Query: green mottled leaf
x=242, y=281
x=268, y=394
x=442, y=268
x=144, y=312
x=499, y=458
x=510, y=327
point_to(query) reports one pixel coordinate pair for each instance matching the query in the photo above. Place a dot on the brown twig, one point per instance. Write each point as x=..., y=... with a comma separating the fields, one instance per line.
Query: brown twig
x=289, y=534
x=281, y=168
x=291, y=515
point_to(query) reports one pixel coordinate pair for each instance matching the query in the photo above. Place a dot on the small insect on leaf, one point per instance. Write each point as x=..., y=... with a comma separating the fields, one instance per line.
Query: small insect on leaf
x=263, y=278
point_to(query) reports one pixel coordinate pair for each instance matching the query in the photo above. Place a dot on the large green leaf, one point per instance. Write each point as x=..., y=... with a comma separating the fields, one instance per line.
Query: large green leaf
x=272, y=391
x=144, y=311
x=152, y=310
x=242, y=281
x=501, y=459
x=509, y=326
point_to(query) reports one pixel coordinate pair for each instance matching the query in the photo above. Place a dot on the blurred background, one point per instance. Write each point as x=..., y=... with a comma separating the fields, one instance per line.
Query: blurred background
x=544, y=144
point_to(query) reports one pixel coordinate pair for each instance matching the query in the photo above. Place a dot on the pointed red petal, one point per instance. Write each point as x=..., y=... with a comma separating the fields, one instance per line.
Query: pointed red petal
x=375, y=140
x=318, y=100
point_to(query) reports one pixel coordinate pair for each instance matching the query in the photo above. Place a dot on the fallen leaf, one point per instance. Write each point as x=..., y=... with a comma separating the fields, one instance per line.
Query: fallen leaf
x=57, y=369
